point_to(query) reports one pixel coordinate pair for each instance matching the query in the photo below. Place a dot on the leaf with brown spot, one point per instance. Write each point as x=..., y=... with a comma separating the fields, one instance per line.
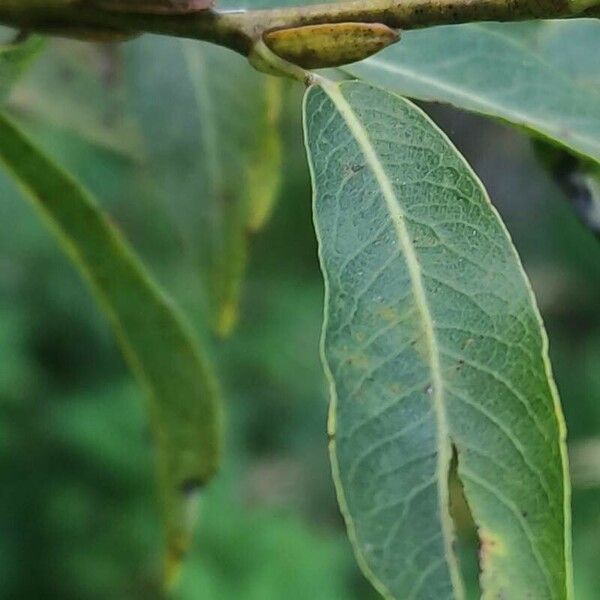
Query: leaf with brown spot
x=398, y=412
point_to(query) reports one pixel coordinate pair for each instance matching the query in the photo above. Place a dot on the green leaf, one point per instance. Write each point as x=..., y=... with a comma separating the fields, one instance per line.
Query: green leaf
x=238, y=111
x=217, y=159
x=432, y=344
x=79, y=88
x=542, y=75
x=14, y=60
x=183, y=402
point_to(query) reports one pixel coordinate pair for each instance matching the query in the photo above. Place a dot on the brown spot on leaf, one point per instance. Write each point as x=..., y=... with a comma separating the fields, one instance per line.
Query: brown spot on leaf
x=387, y=314
x=190, y=486
x=489, y=545
x=395, y=389
x=359, y=360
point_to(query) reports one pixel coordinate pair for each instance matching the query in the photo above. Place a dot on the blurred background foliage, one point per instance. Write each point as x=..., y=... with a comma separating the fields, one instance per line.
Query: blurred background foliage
x=77, y=507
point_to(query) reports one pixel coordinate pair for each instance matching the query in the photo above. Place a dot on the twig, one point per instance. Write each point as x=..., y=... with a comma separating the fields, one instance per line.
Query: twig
x=240, y=30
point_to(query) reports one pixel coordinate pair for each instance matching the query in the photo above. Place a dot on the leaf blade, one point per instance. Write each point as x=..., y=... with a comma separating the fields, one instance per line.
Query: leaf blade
x=398, y=411
x=226, y=125
x=76, y=88
x=183, y=401
x=538, y=75
x=250, y=149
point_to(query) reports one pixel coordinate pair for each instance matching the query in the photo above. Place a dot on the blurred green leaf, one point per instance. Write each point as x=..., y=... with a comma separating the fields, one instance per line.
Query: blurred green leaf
x=220, y=130
x=263, y=168
x=14, y=59
x=241, y=145
x=432, y=345
x=541, y=75
x=183, y=402
x=79, y=88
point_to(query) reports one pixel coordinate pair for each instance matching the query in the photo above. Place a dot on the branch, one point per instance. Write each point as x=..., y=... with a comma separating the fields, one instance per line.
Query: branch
x=241, y=30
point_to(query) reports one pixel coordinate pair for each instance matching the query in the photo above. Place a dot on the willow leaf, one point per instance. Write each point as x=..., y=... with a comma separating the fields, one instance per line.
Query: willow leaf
x=183, y=403
x=216, y=158
x=541, y=75
x=241, y=144
x=78, y=88
x=432, y=342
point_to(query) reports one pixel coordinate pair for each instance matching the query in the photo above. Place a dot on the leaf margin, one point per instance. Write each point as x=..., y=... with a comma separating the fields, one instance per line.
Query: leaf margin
x=331, y=89
x=174, y=502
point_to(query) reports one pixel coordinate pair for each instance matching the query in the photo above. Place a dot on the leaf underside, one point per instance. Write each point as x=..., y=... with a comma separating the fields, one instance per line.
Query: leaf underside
x=541, y=75
x=75, y=88
x=238, y=111
x=183, y=403
x=216, y=159
x=431, y=340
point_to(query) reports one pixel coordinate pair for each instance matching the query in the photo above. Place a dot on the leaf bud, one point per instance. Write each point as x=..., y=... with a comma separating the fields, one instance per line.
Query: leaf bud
x=331, y=44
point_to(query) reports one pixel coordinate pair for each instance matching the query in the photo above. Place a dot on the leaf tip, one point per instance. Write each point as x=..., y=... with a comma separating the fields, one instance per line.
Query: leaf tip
x=226, y=319
x=173, y=564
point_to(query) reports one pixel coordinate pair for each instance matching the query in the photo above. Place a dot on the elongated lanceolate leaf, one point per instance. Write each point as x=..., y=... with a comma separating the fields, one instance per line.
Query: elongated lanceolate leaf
x=78, y=88
x=216, y=158
x=183, y=403
x=543, y=75
x=237, y=112
x=432, y=341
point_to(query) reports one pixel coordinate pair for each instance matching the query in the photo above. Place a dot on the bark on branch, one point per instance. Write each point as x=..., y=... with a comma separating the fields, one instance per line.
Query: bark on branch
x=240, y=30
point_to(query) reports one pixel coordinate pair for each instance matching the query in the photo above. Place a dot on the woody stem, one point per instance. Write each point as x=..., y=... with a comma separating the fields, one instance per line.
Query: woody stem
x=240, y=30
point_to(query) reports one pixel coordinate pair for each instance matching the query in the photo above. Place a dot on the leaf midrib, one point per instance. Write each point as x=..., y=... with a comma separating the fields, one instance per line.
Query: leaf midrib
x=586, y=145
x=484, y=103
x=196, y=66
x=415, y=274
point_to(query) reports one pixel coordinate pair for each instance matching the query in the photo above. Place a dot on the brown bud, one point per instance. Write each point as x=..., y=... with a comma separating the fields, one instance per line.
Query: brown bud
x=330, y=45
